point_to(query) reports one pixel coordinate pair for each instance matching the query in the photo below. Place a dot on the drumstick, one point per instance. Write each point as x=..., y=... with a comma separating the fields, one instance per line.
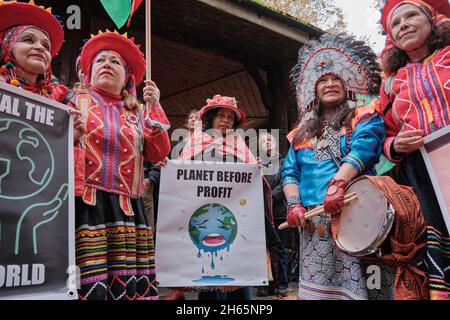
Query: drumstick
x=315, y=212
x=319, y=210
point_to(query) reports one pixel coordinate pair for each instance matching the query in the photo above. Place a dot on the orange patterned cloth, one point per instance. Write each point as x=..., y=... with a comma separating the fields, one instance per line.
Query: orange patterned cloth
x=232, y=144
x=407, y=239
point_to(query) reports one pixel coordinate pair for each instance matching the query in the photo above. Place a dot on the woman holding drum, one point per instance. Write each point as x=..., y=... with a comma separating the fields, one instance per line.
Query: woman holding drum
x=415, y=103
x=339, y=137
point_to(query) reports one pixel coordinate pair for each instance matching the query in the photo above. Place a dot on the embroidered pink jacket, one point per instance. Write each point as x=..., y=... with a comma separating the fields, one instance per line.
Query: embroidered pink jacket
x=417, y=98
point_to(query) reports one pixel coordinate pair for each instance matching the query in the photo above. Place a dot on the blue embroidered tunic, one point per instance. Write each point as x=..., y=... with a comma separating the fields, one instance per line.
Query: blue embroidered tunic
x=312, y=177
x=324, y=271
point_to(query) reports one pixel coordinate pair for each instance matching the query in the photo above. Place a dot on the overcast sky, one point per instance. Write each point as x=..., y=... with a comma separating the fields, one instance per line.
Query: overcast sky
x=362, y=20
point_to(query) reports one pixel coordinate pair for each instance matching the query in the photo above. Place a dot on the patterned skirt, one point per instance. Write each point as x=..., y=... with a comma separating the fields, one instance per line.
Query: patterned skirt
x=115, y=252
x=326, y=273
x=413, y=172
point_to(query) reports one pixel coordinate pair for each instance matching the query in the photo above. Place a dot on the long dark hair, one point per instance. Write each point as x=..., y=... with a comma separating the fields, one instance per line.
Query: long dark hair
x=341, y=116
x=396, y=59
x=211, y=114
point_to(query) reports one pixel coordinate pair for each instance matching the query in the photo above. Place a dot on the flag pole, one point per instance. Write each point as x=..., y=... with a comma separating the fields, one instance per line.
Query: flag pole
x=148, y=37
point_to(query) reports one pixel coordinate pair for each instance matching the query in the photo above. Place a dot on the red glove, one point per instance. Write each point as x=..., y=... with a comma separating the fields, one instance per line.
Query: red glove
x=334, y=198
x=296, y=216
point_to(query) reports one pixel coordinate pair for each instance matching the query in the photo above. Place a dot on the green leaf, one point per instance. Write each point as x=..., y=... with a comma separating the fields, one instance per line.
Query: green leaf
x=118, y=10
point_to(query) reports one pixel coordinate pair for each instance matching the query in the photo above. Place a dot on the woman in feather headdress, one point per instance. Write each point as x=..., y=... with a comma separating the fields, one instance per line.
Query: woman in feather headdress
x=339, y=137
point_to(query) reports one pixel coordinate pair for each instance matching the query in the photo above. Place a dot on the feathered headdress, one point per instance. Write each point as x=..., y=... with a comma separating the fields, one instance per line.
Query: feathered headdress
x=342, y=55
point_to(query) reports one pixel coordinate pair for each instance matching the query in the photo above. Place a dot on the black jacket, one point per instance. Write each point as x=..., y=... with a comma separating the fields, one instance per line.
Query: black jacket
x=279, y=201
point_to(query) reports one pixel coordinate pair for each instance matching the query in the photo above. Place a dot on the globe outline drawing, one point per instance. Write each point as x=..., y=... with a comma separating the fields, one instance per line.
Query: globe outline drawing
x=49, y=176
x=228, y=236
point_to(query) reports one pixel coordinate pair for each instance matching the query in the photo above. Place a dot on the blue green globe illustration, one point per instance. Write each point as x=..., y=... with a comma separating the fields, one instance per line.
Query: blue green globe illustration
x=213, y=227
x=26, y=160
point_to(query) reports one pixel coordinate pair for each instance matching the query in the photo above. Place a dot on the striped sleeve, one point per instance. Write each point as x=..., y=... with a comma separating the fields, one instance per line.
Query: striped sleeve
x=366, y=144
x=291, y=171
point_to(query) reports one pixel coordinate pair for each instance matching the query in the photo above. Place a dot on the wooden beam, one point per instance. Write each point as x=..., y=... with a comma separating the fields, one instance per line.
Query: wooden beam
x=211, y=45
x=264, y=90
x=203, y=85
x=260, y=20
x=278, y=77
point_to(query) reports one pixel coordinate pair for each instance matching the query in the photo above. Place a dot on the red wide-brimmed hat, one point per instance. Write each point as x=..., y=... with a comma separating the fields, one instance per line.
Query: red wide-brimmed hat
x=116, y=42
x=219, y=101
x=14, y=14
x=442, y=6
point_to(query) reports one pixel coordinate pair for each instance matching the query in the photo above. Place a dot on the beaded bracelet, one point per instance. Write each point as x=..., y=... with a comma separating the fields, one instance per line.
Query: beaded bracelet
x=292, y=201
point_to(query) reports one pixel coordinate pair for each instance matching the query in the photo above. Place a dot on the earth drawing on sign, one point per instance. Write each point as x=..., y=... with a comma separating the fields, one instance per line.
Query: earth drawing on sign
x=213, y=229
x=25, y=158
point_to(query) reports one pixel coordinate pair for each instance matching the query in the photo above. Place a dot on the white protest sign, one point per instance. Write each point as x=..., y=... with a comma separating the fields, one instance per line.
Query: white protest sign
x=210, y=229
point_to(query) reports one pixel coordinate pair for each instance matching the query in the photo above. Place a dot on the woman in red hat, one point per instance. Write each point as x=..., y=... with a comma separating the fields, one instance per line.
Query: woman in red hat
x=221, y=117
x=415, y=103
x=114, y=242
x=221, y=143
x=30, y=37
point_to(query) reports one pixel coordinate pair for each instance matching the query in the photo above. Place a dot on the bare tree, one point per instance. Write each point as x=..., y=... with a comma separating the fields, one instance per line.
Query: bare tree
x=377, y=4
x=321, y=13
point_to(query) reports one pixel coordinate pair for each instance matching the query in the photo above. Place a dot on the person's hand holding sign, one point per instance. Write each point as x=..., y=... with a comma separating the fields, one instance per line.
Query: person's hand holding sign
x=78, y=124
x=163, y=163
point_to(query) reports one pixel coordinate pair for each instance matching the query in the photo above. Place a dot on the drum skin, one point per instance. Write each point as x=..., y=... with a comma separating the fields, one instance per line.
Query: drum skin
x=366, y=222
x=406, y=243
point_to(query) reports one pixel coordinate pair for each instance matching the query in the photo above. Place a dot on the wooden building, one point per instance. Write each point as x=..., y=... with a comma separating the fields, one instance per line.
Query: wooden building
x=205, y=47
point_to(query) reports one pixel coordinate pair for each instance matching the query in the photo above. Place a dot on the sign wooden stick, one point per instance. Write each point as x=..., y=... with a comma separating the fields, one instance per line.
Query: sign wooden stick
x=148, y=37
